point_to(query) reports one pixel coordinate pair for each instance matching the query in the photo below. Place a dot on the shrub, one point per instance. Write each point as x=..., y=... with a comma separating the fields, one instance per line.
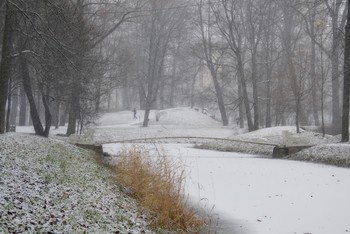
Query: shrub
x=158, y=184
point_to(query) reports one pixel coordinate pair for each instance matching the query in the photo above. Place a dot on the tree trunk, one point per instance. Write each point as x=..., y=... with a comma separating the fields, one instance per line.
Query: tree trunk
x=5, y=66
x=9, y=104
x=313, y=70
x=56, y=114
x=23, y=108
x=293, y=79
x=219, y=96
x=173, y=80
x=142, y=98
x=48, y=116
x=161, y=95
x=109, y=100
x=98, y=95
x=74, y=110
x=146, y=117
x=244, y=92
x=193, y=83
x=336, y=41
x=255, y=92
x=29, y=92
x=56, y=109
x=336, y=118
x=268, y=120
x=76, y=87
x=63, y=117
x=297, y=114
x=14, y=107
x=241, y=106
x=346, y=92
x=210, y=63
x=269, y=40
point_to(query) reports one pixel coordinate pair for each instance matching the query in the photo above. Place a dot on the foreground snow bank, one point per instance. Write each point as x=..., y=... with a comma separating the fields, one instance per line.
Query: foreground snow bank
x=50, y=186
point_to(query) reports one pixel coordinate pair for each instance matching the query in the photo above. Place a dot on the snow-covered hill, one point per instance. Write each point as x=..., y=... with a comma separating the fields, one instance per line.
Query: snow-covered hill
x=180, y=116
x=171, y=122
x=49, y=186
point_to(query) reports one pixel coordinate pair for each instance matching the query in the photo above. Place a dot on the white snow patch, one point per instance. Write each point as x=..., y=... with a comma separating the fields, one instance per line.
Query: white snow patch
x=263, y=195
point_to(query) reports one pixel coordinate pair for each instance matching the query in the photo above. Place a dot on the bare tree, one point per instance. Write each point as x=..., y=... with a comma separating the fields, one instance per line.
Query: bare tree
x=334, y=8
x=269, y=41
x=312, y=8
x=212, y=55
x=5, y=66
x=160, y=26
x=86, y=42
x=256, y=14
x=230, y=20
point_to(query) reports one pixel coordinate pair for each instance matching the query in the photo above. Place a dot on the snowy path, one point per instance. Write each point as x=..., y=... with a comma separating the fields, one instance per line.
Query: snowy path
x=262, y=195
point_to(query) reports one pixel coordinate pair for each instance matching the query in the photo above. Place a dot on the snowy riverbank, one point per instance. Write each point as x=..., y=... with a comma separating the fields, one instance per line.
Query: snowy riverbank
x=327, y=149
x=47, y=185
x=252, y=193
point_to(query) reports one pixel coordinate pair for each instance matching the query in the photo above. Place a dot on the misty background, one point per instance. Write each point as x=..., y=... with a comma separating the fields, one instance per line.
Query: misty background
x=255, y=64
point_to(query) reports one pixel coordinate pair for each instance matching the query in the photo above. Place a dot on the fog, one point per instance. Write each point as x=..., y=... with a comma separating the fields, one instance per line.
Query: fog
x=254, y=64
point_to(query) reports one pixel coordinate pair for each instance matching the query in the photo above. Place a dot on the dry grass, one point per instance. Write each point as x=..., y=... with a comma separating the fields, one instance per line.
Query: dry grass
x=159, y=187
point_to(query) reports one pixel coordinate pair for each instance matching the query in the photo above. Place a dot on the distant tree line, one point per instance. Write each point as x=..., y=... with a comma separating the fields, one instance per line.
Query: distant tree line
x=257, y=63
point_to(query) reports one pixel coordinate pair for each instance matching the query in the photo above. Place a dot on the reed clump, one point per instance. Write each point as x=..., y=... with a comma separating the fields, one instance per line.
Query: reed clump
x=157, y=183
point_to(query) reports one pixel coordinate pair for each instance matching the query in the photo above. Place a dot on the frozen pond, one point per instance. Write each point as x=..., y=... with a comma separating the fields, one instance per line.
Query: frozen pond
x=259, y=195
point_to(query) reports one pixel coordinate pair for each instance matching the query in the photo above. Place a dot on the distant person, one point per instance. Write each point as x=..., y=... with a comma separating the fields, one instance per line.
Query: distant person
x=135, y=117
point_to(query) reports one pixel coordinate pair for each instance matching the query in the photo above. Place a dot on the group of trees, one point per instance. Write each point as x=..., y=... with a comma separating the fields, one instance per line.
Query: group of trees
x=259, y=63
x=285, y=56
x=51, y=58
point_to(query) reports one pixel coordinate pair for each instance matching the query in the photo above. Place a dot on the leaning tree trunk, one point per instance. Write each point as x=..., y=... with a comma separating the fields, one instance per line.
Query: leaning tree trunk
x=5, y=66
x=219, y=96
x=29, y=92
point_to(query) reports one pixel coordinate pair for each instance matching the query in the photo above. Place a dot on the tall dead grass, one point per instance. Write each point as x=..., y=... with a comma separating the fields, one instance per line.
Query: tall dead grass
x=158, y=184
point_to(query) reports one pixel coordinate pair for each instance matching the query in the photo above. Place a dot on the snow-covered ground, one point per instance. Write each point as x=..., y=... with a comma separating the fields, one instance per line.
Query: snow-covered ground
x=49, y=186
x=248, y=193
x=253, y=193
x=259, y=195
x=173, y=122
